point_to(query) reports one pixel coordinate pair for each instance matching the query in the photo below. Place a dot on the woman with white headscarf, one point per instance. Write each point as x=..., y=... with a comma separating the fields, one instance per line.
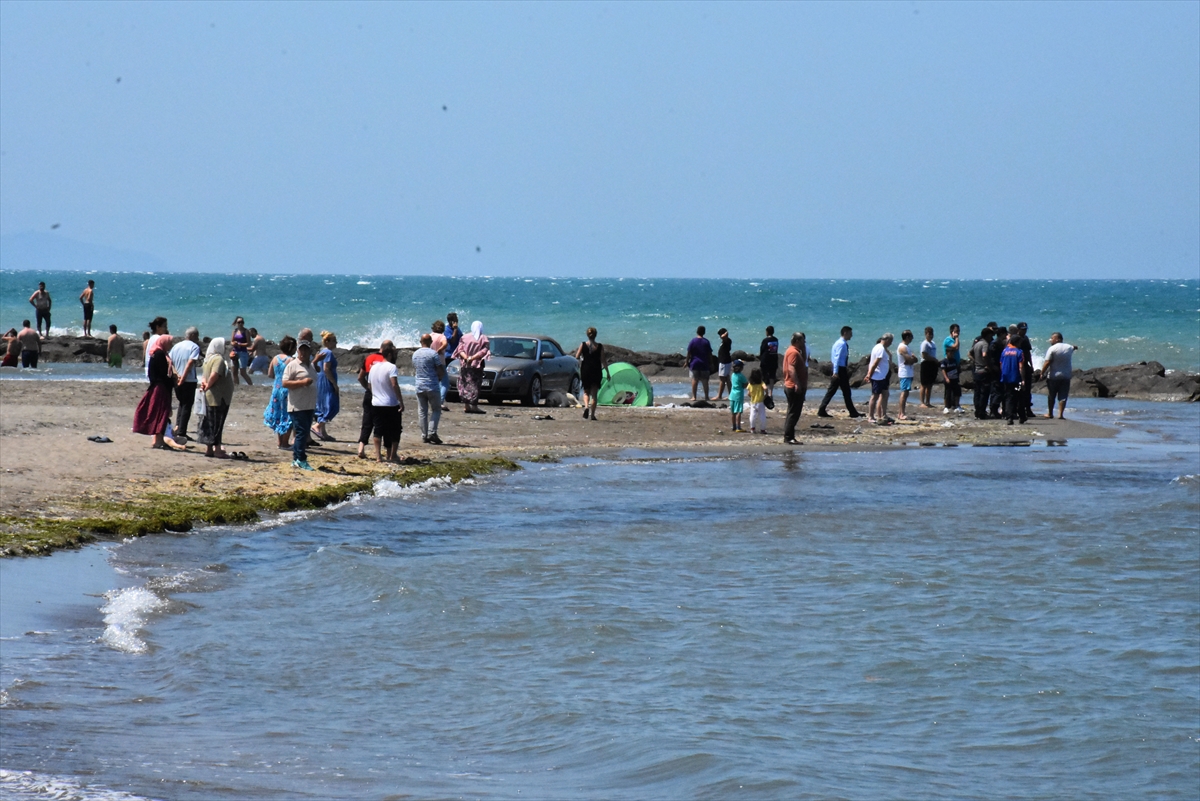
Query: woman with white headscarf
x=217, y=385
x=472, y=353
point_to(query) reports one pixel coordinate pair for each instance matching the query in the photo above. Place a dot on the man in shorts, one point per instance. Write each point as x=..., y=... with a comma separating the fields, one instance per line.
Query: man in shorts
x=699, y=361
x=388, y=405
x=879, y=370
x=368, y=413
x=40, y=301
x=88, y=298
x=906, y=362
x=116, y=347
x=724, y=363
x=31, y=345
x=1056, y=369
x=929, y=368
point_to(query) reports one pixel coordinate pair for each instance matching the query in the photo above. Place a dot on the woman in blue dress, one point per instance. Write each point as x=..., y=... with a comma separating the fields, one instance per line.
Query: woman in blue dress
x=275, y=416
x=329, y=401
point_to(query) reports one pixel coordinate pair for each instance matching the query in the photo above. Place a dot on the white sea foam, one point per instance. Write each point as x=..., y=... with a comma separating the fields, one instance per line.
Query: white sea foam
x=1188, y=480
x=390, y=489
x=25, y=784
x=403, y=333
x=125, y=616
x=838, y=300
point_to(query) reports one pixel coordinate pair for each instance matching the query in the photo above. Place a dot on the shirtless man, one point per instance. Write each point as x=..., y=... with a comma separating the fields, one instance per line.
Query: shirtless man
x=116, y=347
x=31, y=345
x=88, y=298
x=40, y=301
x=258, y=352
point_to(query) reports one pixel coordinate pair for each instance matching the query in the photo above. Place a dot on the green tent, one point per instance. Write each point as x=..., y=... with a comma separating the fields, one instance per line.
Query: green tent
x=624, y=385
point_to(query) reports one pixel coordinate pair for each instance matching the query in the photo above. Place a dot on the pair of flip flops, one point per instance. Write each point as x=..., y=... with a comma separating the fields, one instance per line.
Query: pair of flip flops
x=99, y=439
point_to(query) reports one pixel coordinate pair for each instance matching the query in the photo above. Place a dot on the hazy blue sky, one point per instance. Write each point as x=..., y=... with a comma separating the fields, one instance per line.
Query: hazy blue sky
x=684, y=139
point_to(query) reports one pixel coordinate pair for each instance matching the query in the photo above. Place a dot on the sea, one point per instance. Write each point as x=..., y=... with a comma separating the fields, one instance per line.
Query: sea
x=1112, y=322
x=1018, y=622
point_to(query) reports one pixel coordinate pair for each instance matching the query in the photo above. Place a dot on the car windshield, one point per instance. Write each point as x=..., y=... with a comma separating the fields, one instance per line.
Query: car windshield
x=513, y=347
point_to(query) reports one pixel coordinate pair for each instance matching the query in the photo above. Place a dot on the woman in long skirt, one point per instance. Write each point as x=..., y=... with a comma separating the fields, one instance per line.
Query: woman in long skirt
x=472, y=352
x=217, y=385
x=329, y=399
x=275, y=416
x=153, y=411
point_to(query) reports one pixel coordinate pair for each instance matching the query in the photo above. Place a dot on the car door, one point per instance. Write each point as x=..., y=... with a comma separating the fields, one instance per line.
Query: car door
x=555, y=376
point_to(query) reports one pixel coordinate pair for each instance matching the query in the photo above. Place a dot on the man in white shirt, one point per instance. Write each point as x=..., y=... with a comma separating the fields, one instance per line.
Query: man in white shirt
x=184, y=357
x=879, y=370
x=906, y=362
x=387, y=404
x=1056, y=369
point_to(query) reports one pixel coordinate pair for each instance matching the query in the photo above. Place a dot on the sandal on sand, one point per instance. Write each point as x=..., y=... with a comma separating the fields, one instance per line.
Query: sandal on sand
x=99, y=439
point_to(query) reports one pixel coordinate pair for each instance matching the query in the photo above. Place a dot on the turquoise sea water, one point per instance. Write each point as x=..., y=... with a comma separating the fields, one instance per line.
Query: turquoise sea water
x=1113, y=322
x=935, y=623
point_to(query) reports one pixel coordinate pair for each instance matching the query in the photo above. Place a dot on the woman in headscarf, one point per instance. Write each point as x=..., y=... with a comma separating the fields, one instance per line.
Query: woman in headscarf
x=217, y=385
x=329, y=398
x=154, y=409
x=472, y=353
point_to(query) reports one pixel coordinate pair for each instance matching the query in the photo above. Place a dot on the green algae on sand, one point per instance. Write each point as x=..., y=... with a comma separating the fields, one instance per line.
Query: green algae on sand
x=155, y=512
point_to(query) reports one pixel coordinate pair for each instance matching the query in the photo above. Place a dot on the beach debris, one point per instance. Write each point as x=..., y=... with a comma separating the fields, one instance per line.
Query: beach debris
x=99, y=438
x=542, y=417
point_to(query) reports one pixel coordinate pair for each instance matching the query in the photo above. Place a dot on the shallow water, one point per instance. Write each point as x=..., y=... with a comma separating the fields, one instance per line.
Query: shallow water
x=934, y=623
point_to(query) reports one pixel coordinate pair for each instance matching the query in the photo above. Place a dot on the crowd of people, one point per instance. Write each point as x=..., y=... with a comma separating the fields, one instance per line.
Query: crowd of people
x=1001, y=358
x=306, y=397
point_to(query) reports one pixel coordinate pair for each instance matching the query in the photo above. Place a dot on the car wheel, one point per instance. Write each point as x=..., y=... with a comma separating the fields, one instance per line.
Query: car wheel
x=534, y=396
x=576, y=388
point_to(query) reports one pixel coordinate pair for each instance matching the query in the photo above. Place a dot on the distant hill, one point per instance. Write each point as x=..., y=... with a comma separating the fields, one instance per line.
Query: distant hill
x=39, y=251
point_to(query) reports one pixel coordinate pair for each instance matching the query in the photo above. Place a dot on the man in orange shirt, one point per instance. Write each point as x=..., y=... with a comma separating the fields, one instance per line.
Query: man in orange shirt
x=795, y=384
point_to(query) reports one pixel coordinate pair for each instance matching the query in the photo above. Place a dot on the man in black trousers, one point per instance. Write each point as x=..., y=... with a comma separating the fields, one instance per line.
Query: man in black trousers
x=840, y=356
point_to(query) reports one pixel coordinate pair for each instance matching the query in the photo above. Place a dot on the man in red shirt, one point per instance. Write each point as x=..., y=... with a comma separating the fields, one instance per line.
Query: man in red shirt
x=368, y=415
x=795, y=384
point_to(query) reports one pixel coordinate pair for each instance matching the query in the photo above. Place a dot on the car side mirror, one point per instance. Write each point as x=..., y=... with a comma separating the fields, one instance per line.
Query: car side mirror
x=547, y=355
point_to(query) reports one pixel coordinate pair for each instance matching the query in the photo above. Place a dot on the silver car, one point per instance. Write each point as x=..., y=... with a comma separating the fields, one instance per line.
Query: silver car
x=523, y=367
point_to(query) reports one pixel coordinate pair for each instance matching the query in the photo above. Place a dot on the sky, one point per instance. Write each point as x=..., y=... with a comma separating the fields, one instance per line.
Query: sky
x=773, y=140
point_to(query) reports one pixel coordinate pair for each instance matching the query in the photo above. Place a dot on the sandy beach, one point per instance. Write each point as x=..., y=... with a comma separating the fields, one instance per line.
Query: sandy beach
x=52, y=472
